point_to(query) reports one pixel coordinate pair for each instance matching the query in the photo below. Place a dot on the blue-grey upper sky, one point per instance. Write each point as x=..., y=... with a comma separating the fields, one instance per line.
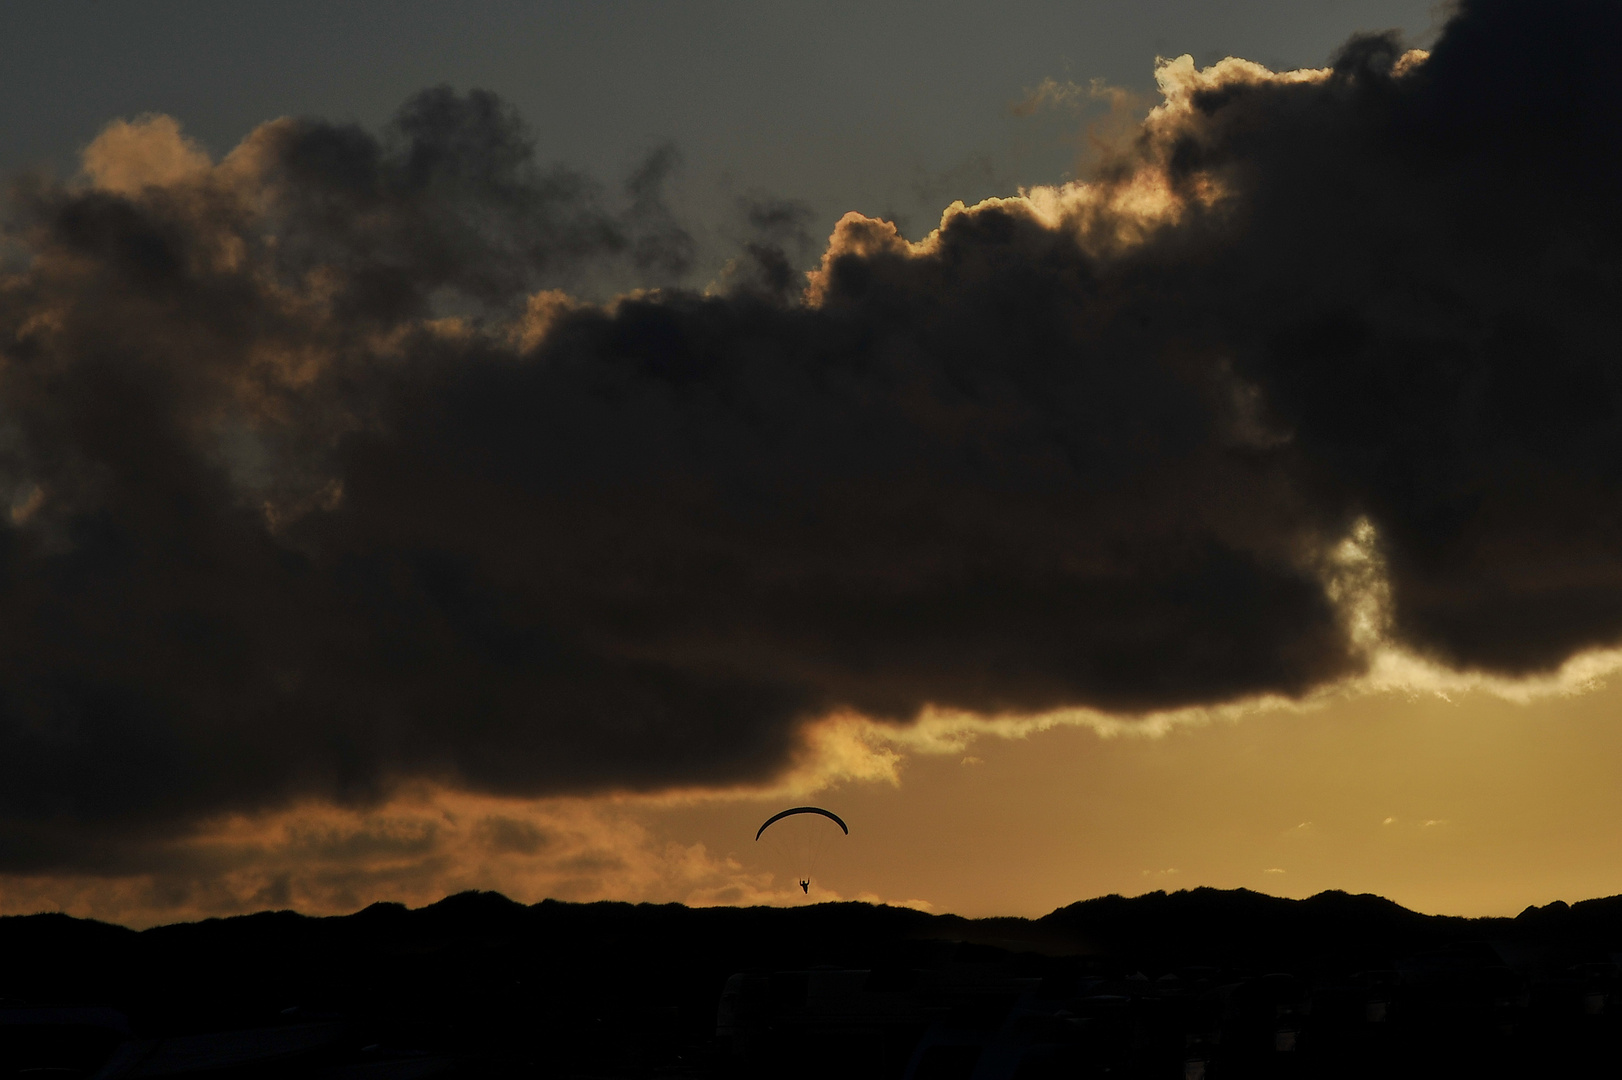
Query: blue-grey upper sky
x=887, y=108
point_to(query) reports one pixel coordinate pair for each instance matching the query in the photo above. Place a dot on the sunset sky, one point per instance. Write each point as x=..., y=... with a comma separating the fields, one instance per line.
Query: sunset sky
x=1094, y=447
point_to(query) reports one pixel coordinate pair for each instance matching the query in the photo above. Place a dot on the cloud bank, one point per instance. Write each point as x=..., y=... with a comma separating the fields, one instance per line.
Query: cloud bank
x=324, y=475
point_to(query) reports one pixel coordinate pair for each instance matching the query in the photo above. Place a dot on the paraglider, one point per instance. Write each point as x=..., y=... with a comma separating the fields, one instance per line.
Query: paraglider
x=800, y=836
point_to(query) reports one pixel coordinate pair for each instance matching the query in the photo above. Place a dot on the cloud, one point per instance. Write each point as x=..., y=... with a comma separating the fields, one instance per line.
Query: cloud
x=1052, y=94
x=130, y=156
x=332, y=471
x=417, y=847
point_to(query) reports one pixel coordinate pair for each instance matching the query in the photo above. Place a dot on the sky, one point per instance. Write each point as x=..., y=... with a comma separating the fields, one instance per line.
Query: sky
x=1093, y=447
x=888, y=108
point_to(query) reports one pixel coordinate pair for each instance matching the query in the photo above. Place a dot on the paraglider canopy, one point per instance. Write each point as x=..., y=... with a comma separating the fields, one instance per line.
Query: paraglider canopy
x=829, y=814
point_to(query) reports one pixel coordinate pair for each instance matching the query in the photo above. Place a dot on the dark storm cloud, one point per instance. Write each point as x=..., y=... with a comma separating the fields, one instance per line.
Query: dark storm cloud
x=1430, y=271
x=312, y=489
x=779, y=242
x=452, y=198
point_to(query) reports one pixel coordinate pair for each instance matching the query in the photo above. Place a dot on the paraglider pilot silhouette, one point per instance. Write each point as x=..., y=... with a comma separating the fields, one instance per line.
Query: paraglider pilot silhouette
x=802, y=838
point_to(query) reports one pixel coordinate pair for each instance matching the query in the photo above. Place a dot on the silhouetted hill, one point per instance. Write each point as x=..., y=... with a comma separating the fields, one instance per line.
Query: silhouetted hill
x=478, y=984
x=1239, y=926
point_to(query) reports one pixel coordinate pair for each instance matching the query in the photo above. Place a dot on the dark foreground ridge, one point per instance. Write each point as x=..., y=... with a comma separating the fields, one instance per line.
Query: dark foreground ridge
x=1195, y=985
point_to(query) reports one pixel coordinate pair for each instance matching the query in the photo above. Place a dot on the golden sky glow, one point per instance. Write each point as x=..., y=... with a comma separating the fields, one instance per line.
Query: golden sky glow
x=1472, y=805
